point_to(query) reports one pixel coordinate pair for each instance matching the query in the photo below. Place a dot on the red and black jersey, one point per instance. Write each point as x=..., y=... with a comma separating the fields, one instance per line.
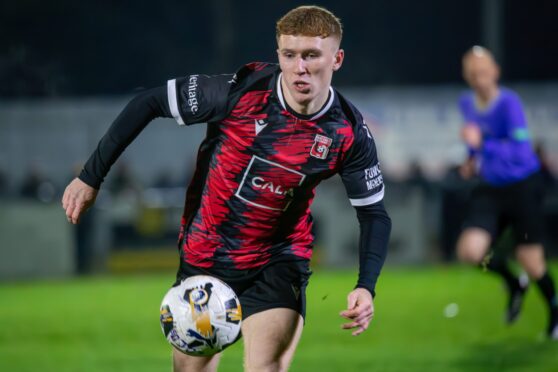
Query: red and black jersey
x=258, y=167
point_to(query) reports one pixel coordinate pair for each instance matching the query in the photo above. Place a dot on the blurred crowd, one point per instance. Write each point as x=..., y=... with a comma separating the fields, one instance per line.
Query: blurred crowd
x=146, y=214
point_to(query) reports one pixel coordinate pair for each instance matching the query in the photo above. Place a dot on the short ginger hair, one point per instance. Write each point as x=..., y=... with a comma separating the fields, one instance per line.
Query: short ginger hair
x=310, y=20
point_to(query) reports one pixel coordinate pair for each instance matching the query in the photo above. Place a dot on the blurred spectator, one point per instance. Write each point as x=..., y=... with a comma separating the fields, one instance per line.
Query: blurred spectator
x=165, y=180
x=37, y=186
x=416, y=176
x=3, y=183
x=122, y=181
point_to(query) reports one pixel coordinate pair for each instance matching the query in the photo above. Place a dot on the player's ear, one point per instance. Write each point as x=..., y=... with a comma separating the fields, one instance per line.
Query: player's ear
x=497, y=72
x=339, y=57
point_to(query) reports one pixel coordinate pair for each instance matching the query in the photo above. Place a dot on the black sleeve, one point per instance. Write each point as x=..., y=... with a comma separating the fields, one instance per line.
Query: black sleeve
x=145, y=107
x=200, y=98
x=375, y=228
x=360, y=173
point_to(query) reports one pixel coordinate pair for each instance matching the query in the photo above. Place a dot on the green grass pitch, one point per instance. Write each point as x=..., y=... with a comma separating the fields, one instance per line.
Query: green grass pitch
x=111, y=324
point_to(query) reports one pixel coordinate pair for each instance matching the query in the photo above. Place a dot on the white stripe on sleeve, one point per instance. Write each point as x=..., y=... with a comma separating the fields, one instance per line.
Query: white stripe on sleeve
x=369, y=199
x=173, y=101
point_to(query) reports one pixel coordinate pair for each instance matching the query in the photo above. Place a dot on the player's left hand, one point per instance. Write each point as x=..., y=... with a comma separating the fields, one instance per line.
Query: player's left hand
x=360, y=310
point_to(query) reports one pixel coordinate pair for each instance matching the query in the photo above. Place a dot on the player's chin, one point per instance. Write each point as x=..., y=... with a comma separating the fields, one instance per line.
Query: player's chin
x=304, y=98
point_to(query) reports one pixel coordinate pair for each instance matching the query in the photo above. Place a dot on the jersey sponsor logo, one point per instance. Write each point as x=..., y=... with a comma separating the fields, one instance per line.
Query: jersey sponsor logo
x=192, y=93
x=269, y=185
x=321, y=146
x=373, y=177
x=260, y=125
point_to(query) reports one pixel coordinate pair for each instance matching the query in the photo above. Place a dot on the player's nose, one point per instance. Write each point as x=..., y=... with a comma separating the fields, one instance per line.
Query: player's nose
x=300, y=66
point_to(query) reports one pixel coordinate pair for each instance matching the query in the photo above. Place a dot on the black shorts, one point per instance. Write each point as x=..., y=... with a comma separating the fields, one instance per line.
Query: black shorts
x=518, y=205
x=280, y=284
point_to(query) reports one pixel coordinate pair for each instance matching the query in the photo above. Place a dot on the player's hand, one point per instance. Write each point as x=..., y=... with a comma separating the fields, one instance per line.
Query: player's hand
x=360, y=310
x=468, y=169
x=78, y=197
x=472, y=135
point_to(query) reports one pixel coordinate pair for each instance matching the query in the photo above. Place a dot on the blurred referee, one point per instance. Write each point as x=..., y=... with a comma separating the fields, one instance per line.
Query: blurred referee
x=510, y=191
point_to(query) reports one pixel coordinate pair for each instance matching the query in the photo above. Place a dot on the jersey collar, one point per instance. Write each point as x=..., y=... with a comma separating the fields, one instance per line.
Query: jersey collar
x=311, y=117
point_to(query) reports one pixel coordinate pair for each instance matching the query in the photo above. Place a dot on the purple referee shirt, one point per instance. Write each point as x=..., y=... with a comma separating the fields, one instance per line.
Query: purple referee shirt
x=506, y=155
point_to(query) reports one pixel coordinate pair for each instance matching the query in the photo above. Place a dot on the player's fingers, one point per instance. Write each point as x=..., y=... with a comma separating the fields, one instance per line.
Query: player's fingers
x=69, y=210
x=359, y=327
x=65, y=198
x=349, y=314
x=350, y=325
x=357, y=311
x=75, y=215
x=361, y=322
x=358, y=331
x=365, y=316
x=78, y=211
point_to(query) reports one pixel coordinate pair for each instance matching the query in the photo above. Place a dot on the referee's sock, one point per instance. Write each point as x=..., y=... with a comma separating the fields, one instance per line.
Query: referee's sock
x=516, y=289
x=546, y=285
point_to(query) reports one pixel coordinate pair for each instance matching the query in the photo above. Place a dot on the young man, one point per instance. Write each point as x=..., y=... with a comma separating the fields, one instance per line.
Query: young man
x=510, y=192
x=273, y=133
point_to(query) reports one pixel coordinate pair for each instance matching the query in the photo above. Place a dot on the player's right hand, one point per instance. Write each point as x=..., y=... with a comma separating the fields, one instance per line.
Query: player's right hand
x=78, y=197
x=472, y=135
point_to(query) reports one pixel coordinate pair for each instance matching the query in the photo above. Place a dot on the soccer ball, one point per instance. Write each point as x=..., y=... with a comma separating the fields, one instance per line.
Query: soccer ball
x=201, y=316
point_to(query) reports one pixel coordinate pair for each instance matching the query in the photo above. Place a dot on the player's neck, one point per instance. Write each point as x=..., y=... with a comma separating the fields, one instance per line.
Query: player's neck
x=485, y=98
x=306, y=109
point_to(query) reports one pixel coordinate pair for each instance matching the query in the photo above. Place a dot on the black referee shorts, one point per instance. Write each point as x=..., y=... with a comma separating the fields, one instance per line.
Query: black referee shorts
x=277, y=285
x=518, y=205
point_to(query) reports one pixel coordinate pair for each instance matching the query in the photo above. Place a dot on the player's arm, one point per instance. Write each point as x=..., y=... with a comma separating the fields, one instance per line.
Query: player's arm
x=82, y=191
x=363, y=181
x=193, y=99
x=375, y=228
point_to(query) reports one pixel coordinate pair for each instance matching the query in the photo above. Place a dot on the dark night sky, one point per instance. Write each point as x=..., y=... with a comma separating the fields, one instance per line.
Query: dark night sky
x=89, y=48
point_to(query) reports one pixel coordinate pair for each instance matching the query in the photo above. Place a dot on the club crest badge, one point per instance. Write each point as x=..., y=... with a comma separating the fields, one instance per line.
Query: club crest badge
x=321, y=146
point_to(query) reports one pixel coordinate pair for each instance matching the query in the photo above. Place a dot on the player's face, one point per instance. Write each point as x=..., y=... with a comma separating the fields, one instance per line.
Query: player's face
x=308, y=64
x=481, y=73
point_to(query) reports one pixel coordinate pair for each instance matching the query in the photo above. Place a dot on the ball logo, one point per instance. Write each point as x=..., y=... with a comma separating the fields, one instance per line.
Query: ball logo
x=321, y=146
x=199, y=297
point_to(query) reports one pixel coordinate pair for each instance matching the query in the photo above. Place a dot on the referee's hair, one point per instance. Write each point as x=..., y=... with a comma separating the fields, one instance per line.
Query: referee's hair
x=478, y=51
x=310, y=20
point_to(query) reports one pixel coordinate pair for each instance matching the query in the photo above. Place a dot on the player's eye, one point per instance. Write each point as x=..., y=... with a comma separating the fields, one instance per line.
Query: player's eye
x=311, y=55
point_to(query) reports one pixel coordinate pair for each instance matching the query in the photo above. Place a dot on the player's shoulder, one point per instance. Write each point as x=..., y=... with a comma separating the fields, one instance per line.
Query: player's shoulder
x=356, y=127
x=349, y=110
x=509, y=95
x=466, y=97
x=254, y=76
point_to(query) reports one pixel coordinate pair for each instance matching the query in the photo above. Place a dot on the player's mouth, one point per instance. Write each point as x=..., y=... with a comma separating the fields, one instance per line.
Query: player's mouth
x=301, y=86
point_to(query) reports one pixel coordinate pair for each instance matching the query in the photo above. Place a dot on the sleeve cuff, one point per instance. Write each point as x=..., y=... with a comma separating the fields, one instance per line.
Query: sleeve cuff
x=371, y=290
x=90, y=180
x=372, y=199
